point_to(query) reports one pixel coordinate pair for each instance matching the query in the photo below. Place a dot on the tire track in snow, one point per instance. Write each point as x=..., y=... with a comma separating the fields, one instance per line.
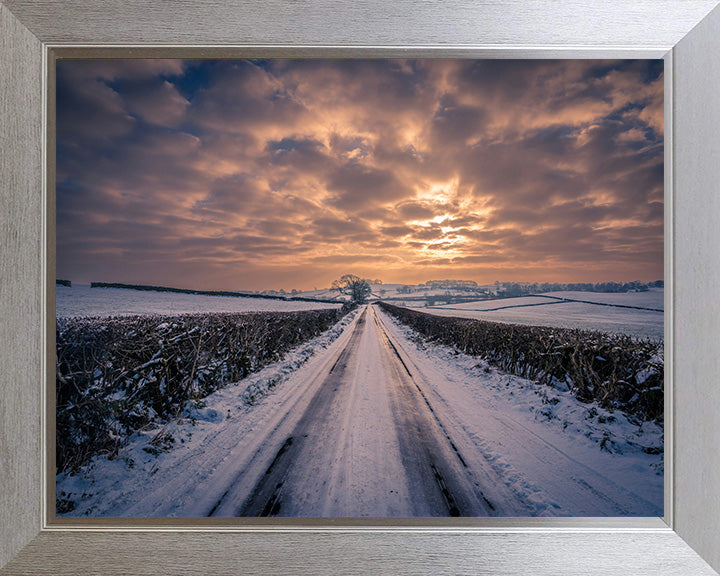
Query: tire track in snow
x=567, y=480
x=436, y=481
x=266, y=498
x=270, y=484
x=426, y=430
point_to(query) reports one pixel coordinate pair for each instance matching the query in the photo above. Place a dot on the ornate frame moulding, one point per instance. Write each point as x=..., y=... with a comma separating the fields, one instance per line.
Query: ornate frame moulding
x=684, y=32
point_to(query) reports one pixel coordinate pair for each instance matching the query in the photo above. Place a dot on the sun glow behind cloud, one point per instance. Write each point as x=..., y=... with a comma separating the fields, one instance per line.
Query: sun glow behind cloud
x=289, y=173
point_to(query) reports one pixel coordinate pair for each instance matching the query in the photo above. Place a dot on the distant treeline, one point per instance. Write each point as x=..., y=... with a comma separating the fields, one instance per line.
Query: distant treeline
x=117, y=375
x=617, y=371
x=514, y=289
x=509, y=289
x=63, y=282
x=209, y=292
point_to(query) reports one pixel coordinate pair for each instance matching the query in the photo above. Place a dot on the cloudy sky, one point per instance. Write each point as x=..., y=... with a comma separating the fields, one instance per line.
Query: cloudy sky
x=235, y=174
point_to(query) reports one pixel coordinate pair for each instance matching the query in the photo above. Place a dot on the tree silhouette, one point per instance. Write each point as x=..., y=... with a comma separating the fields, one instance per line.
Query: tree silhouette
x=357, y=288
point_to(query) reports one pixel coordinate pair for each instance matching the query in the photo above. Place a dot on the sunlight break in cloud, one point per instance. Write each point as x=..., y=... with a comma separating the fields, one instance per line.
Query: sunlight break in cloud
x=237, y=174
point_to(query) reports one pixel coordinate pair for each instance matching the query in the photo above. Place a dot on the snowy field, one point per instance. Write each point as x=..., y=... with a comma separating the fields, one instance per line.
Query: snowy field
x=534, y=450
x=492, y=305
x=82, y=300
x=542, y=311
x=653, y=298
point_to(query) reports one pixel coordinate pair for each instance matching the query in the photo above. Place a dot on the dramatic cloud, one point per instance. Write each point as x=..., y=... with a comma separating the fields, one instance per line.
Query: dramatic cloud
x=236, y=174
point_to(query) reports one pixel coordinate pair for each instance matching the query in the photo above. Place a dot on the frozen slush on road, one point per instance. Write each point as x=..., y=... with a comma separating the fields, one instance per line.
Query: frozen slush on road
x=371, y=420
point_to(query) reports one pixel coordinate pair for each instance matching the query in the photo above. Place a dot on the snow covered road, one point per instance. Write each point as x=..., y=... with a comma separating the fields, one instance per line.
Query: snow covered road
x=368, y=444
x=378, y=424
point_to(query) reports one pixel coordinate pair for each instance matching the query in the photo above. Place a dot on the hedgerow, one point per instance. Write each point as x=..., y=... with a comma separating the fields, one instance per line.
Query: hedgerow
x=117, y=375
x=615, y=370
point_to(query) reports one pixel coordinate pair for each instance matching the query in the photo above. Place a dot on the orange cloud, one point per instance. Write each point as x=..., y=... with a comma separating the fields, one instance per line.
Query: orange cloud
x=231, y=172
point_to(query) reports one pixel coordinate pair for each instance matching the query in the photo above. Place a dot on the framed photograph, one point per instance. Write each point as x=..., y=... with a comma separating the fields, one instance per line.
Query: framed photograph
x=664, y=522
x=356, y=205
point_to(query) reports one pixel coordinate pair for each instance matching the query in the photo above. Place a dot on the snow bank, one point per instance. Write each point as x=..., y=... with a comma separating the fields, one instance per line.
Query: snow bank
x=116, y=375
x=560, y=456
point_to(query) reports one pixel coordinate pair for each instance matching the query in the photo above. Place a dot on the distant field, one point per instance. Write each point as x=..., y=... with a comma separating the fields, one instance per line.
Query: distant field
x=485, y=305
x=654, y=298
x=85, y=301
x=536, y=310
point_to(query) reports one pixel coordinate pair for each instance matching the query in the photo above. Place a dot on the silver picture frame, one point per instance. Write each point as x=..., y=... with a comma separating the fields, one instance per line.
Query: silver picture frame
x=683, y=32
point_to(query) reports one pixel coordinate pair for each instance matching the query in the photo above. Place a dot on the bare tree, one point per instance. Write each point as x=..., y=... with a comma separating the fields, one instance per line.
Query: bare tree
x=357, y=288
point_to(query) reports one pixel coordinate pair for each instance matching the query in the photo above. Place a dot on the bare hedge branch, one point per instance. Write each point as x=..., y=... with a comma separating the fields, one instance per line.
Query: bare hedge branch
x=616, y=370
x=117, y=375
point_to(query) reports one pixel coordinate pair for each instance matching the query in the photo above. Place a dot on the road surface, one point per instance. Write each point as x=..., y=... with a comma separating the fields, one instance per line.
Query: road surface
x=368, y=444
